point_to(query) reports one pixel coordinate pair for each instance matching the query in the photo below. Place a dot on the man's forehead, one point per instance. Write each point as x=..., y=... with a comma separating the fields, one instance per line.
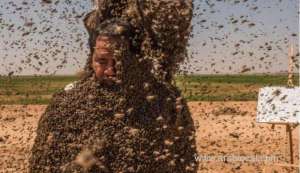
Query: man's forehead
x=105, y=38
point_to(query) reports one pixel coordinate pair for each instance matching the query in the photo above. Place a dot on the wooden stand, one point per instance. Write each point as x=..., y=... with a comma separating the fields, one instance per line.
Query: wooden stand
x=290, y=84
x=290, y=154
x=289, y=138
x=289, y=127
x=289, y=133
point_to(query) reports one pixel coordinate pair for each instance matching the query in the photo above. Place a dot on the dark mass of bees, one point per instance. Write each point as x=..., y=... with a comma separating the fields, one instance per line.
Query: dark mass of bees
x=138, y=123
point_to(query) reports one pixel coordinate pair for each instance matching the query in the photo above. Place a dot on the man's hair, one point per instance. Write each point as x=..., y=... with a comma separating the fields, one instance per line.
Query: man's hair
x=114, y=28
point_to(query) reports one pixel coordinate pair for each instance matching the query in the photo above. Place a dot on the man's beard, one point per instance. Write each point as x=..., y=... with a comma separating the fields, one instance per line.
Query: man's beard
x=108, y=83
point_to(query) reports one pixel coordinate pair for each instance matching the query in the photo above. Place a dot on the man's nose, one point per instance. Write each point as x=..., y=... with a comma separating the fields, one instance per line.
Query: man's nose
x=110, y=72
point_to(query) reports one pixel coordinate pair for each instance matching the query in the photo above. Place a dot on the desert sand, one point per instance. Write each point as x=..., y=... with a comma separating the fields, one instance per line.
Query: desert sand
x=228, y=138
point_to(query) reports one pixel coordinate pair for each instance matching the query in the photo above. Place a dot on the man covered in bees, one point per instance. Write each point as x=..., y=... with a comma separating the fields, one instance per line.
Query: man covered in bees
x=120, y=117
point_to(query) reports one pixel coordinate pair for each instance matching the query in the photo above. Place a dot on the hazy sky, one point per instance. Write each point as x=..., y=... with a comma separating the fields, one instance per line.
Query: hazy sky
x=229, y=36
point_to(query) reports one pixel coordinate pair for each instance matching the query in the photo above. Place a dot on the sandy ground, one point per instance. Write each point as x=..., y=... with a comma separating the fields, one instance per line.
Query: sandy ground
x=228, y=138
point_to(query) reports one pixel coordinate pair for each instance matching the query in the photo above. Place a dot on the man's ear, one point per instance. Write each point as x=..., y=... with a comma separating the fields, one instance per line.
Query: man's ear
x=91, y=62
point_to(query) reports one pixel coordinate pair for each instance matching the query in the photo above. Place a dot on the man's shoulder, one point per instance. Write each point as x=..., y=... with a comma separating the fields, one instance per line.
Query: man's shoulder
x=70, y=86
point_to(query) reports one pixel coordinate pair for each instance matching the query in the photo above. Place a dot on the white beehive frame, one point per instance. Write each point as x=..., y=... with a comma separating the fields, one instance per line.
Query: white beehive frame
x=278, y=105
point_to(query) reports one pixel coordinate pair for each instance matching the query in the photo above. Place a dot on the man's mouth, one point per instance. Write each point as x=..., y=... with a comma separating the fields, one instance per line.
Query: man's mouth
x=109, y=80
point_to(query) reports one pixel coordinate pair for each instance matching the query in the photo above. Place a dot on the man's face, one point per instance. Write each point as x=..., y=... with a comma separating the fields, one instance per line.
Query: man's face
x=103, y=62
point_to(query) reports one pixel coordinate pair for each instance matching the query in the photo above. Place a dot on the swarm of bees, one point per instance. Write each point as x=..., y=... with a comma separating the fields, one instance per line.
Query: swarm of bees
x=167, y=35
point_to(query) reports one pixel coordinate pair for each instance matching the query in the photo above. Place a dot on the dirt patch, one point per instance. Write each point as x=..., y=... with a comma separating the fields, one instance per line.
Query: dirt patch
x=222, y=135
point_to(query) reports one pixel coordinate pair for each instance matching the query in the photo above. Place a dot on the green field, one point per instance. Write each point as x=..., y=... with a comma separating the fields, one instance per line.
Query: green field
x=38, y=89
